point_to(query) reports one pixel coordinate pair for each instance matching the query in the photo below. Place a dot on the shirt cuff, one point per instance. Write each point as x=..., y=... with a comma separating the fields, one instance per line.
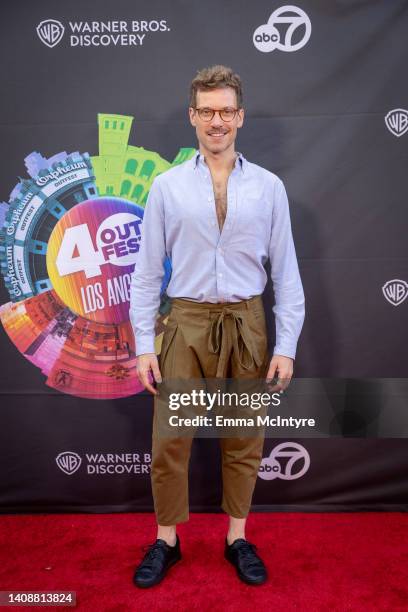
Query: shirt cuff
x=144, y=345
x=285, y=351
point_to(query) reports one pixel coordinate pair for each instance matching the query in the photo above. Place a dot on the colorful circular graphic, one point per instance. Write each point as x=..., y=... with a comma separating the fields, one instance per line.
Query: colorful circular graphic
x=69, y=242
x=91, y=255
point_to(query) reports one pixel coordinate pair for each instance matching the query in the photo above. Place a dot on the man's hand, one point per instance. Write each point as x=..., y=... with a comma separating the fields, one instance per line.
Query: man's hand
x=284, y=368
x=146, y=364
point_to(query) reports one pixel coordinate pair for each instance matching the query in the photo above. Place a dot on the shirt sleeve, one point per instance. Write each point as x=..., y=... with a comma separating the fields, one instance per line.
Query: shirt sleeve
x=148, y=274
x=289, y=308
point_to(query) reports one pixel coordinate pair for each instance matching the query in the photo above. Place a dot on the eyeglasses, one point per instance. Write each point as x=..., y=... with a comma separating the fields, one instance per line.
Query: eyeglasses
x=226, y=114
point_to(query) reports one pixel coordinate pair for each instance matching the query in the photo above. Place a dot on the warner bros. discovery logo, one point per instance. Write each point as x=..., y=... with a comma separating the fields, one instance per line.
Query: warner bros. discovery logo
x=268, y=37
x=287, y=461
x=397, y=121
x=395, y=291
x=50, y=32
x=105, y=463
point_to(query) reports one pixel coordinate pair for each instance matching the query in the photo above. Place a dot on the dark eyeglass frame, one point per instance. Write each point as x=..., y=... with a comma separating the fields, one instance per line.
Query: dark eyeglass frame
x=220, y=112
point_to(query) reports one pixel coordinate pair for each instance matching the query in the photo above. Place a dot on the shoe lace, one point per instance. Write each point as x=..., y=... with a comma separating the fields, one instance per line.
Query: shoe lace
x=153, y=553
x=247, y=552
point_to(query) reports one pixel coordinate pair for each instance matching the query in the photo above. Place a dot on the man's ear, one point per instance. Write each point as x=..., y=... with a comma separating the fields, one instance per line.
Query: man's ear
x=191, y=113
x=241, y=115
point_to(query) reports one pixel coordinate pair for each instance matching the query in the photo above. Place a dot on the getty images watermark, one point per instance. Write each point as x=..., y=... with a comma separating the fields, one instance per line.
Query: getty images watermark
x=237, y=401
x=224, y=408
x=308, y=408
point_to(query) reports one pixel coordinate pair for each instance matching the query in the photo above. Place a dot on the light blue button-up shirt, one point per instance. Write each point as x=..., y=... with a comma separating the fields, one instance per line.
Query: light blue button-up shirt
x=180, y=222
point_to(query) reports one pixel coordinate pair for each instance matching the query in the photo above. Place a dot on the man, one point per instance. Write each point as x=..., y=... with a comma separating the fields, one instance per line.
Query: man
x=218, y=218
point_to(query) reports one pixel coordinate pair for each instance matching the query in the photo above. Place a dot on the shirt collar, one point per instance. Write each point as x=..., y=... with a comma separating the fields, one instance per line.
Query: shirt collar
x=240, y=162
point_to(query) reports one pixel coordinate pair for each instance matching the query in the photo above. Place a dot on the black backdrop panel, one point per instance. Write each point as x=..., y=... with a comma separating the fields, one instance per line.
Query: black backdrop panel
x=316, y=116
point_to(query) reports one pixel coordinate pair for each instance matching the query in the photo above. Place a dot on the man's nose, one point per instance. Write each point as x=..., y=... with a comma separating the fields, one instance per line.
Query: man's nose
x=216, y=121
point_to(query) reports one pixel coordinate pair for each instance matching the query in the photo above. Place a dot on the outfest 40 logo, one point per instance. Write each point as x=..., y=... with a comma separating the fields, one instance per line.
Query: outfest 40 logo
x=69, y=240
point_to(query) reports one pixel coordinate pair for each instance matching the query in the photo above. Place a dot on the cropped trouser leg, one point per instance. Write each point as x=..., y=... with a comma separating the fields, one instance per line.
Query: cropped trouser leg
x=204, y=340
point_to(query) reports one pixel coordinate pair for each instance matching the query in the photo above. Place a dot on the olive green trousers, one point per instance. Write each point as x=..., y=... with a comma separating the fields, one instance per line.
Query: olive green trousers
x=206, y=340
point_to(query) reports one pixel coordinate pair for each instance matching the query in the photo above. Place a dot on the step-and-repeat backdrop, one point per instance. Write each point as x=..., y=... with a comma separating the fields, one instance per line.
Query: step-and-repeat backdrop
x=93, y=107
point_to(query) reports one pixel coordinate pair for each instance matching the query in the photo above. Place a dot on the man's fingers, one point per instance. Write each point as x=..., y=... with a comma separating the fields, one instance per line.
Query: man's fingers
x=285, y=381
x=150, y=388
x=156, y=372
x=281, y=385
x=271, y=375
x=284, y=374
x=274, y=388
x=145, y=379
x=271, y=372
x=146, y=364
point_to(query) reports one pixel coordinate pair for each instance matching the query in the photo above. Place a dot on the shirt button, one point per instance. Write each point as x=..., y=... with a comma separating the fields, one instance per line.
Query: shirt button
x=209, y=198
x=220, y=274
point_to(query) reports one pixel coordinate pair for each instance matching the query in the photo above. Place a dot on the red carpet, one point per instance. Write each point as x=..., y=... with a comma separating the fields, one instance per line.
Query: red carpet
x=316, y=562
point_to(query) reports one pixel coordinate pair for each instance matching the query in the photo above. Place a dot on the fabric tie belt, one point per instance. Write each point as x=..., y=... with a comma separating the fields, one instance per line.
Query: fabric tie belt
x=242, y=345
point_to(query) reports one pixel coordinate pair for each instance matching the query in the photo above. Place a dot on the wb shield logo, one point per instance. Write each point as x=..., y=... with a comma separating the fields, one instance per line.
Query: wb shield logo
x=50, y=32
x=397, y=121
x=68, y=462
x=395, y=291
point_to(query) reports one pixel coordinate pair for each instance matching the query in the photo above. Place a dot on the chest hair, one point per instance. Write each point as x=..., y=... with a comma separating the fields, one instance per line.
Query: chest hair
x=221, y=202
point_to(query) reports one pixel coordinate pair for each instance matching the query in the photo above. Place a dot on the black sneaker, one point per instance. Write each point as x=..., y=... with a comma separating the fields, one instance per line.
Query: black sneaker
x=250, y=567
x=157, y=560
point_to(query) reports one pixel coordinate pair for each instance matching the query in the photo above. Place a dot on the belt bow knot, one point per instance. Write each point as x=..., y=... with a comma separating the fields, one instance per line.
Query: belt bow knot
x=242, y=344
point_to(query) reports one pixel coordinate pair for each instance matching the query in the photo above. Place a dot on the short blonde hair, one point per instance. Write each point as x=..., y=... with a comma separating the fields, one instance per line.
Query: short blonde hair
x=215, y=77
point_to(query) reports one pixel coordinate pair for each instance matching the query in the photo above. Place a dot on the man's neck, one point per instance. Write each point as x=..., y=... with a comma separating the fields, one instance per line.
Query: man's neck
x=220, y=163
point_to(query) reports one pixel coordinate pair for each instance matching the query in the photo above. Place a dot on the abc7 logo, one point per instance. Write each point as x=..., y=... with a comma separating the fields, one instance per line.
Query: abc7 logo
x=297, y=465
x=266, y=37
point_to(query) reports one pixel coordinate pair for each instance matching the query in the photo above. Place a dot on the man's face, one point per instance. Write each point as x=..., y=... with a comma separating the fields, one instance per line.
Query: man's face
x=216, y=135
